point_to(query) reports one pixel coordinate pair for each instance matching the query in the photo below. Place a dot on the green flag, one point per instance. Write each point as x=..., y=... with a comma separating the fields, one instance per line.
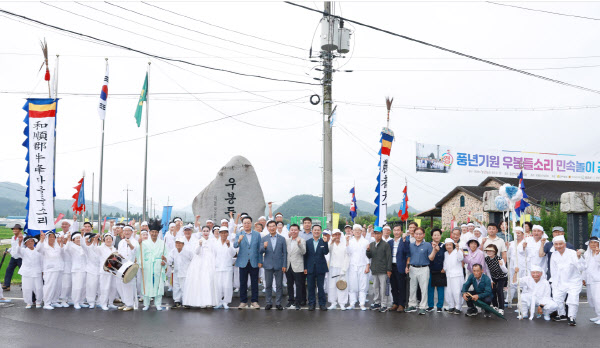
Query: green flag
x=138, y=110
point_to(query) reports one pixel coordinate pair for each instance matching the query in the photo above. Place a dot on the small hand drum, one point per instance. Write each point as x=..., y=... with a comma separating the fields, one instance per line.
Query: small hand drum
x=119, y=267
x=341, y=284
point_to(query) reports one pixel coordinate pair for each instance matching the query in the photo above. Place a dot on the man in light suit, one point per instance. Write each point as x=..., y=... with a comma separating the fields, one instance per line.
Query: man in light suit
x=296, y=248
x=315, y=267
x=274, y=255
x=248, y=242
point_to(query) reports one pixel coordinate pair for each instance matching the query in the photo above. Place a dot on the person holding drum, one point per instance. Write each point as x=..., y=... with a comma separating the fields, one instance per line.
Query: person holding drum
x=108, y=289
x=127, y=248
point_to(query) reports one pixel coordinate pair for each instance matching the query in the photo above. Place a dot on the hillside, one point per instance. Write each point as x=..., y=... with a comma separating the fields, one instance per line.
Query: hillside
x=13, y=200
x=308, y=205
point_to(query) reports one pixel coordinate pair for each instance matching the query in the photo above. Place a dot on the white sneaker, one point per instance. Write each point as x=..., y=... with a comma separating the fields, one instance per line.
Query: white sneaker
x=28, y=306
x=76, y=306
x=92, y=306
x=225, y=306
x=112, y=306
x=219, y=307
x=159, y=308
x=547, y=317
x=104, y=308
x=84, y=305
x=48, y=307
x=363, y=308
x=352, y=306
x=332, y=307
x=64, y=305
x=38, y=305
x=343, y=308
x=501, y=311
x=598, y=322
x=595, y=319
x=56, y=304
x=145, y=308
x=236, y=290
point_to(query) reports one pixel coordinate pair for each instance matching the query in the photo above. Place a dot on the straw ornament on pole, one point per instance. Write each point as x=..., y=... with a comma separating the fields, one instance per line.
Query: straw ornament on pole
x=44, y=47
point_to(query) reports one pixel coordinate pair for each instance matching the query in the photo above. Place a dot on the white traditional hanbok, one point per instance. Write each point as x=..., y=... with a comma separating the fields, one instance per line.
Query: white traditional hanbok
x=200, y=288
x=106, y=280
x=223, y=272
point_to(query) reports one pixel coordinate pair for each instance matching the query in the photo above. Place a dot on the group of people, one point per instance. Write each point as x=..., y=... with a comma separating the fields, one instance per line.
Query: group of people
x=204, y=265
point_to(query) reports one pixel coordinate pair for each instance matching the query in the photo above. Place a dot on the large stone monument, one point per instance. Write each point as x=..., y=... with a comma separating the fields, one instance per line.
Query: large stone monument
x=577, y=205
x=236, y=189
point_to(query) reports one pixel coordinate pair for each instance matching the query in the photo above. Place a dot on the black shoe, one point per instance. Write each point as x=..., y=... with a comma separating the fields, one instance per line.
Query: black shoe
x=572, y=321
x=560, y=318
x=298, y=307
x=323, y=308
x=303, y=303
x=311, y=307
x=471, y=312
x=439, y=310
x=289, y=304
x=375, y=306
x=279, y=307
x=5, y=288
x=177, y=305
x=429, y=309
x=268, y=307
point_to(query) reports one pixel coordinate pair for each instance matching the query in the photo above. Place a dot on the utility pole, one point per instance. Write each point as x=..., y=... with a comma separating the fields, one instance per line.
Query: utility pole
x=327, y=57
x=127, y=207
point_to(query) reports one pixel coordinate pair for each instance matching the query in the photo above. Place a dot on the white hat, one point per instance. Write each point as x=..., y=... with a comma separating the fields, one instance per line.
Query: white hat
x=221, y=229
x=336, y=230
x=188, y=227
x=209, y=220
x=448, y=240
x=172, y=224
x=145, y=223
x=387, y=226
x=517, y=229
x=536, y=268
x=262, y=218
x=224, y=221
x=463, y=225
x=128, y=228
x=326, y=231
x=67, y=221
x=558, y=239
x=143, y=232
x=177, y=219
x=470, y=224
x=180, y=239
x=278, y=214
x=357, y=226
x=537, y=227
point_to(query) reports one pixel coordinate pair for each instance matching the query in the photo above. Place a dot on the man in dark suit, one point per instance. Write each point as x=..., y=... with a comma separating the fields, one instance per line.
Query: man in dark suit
x=400, y=249
x=274, y=254
x=315, y=267
x=249, y=244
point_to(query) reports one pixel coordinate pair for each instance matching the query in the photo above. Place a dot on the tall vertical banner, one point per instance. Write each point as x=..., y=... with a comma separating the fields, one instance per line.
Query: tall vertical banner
x=381, y=201
x=166, y=218
x=353, y=207
x=40, y=132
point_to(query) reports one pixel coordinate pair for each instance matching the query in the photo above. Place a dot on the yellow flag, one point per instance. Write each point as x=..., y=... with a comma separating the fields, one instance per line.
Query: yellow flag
x=336, y=220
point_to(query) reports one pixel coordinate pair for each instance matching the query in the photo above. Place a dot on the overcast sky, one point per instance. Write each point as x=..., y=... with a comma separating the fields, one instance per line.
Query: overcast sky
x=283, y=141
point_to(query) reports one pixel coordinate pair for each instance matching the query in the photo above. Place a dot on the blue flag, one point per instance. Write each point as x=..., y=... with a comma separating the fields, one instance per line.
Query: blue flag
x=166, y=217
x=353, y=207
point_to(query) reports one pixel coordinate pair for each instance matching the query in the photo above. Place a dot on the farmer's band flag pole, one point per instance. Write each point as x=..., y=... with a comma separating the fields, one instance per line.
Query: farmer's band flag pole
x=138, y=120
x=353, y=207
x=41, y=136
x=102, y=114
x=387, y=137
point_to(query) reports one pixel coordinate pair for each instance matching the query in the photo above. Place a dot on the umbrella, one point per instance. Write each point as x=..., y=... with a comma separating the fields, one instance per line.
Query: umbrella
x=487, y=307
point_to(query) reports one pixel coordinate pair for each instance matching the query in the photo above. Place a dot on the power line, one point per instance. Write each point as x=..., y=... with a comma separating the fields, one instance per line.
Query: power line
x=165, y=93
x=466, y=70
x=202, y=42
x=474, y=109
x=201, y=33
x=451, y=51
x=223, y=28
x=95, y=39
x=175, y=130
x=163, y=31
x=544, y=11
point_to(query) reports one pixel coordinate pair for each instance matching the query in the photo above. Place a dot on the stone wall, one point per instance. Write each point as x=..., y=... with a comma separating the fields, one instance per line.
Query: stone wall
x=472, y=205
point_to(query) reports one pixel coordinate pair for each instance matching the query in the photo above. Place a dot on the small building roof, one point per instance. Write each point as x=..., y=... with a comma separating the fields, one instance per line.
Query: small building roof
x=435, y=212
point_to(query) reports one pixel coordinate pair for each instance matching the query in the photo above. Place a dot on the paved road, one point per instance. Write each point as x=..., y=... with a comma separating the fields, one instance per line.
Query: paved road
x=66, y=327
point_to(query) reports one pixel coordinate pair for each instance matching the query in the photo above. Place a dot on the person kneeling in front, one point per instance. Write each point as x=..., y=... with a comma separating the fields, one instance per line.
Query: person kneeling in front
x=482, y=290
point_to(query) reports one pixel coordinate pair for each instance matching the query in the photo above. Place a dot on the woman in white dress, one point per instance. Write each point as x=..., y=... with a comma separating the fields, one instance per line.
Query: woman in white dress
x=200, y=288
